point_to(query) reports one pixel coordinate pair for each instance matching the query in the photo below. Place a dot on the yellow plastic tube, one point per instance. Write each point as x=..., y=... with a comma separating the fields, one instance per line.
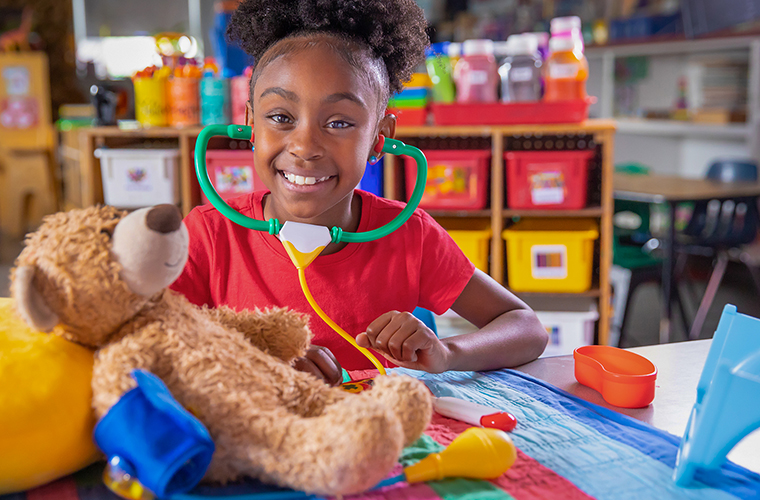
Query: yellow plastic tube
x=333, y=324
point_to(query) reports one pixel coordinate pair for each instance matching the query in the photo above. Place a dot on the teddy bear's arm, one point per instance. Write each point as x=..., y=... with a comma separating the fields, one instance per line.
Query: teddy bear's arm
x=282, y=333
x=112, y=370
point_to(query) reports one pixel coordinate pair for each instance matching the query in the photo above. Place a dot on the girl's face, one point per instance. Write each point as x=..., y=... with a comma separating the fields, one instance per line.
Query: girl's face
x=315, y=120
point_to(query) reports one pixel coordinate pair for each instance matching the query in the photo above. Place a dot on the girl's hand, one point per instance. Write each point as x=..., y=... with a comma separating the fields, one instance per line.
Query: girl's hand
x=321, y=363
x=406, y=342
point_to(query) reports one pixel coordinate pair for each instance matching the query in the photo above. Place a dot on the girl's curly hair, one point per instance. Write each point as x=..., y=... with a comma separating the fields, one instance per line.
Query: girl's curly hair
x=394, y=30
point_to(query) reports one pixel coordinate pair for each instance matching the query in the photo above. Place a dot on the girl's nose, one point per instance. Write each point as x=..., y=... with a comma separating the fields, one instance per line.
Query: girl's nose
x=305, y=142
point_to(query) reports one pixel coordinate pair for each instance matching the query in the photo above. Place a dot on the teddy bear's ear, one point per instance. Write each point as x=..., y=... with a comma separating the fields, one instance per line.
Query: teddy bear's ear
x=29, y=301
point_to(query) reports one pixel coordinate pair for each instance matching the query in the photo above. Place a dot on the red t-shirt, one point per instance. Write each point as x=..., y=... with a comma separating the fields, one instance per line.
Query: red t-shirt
x=417, y=265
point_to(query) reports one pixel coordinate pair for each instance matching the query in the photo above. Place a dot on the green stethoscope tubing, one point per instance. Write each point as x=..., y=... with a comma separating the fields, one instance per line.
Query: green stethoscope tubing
x=272, y=226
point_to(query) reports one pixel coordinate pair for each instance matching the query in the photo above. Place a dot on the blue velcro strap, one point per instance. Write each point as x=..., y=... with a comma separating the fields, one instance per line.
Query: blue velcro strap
x=168, y=448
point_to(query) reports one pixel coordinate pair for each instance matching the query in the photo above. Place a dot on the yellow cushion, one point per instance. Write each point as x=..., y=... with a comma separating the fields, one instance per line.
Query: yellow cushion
x=45, y=405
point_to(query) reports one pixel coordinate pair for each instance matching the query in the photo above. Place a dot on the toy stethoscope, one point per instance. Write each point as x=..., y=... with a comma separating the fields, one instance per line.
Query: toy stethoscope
x=304, y=242
x=169, y=449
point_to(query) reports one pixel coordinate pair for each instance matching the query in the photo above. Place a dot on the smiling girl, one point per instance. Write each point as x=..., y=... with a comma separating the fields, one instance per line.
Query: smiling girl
x=324, y=73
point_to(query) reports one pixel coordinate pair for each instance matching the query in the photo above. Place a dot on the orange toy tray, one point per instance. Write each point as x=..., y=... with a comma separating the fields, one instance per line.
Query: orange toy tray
x=623, y=378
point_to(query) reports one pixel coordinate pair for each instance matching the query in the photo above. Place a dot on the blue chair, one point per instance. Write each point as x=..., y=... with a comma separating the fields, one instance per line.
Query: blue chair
x=720, y=229
x=727, y=407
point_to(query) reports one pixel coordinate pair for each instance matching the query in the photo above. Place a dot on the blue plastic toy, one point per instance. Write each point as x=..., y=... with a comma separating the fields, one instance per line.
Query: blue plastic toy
x=728, y=396
x=149, y=437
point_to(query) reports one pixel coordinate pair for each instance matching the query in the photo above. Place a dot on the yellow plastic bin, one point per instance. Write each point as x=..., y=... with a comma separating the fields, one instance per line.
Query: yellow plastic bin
x=473, y=238
x=551, y=255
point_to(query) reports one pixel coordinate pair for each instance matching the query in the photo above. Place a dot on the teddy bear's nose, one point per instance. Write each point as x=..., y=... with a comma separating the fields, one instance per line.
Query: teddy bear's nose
x=164, y=218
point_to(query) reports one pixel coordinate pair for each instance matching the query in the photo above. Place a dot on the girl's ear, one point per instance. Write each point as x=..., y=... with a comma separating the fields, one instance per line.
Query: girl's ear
x=248, y=114
x=388, y=125
x=387, y=128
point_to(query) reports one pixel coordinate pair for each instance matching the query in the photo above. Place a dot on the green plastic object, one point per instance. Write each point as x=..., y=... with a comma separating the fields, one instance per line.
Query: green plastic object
x=273, y=226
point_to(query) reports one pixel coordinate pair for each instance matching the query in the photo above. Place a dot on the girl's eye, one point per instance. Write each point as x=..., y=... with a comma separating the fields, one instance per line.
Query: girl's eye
x=338, y=124
x=279, y=118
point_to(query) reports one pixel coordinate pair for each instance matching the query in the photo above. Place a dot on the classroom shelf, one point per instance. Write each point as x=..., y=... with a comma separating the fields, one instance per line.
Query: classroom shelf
x=471, y=214
x=583, y=212
x=494, y=137
x=597, y=135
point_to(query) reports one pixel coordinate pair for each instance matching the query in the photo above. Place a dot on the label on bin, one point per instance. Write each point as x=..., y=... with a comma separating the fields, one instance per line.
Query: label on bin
x=548, y=261
x=547, y=188
x=234, y=180
x=138, y=180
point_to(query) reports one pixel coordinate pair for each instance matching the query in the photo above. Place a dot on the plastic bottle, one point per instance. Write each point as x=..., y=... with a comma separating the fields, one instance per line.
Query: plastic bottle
x=439, y=70
x=566, y=70
x=542, y=39
x=215, y=96
x=567, y=27
x=476, y=73
x=521, y=70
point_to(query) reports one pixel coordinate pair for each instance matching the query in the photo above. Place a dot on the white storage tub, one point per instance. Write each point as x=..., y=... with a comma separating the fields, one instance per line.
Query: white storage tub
x=135, y=178
x=569, y=323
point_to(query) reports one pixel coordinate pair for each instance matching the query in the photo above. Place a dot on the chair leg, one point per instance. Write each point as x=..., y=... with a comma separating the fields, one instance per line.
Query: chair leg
x=707, y=299
x=679, y=298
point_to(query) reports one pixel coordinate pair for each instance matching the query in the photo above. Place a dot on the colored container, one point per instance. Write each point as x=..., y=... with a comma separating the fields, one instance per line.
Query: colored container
x=372, y=180
x=474, y=243
x=520, y=72
x=476, y=73
x=135, y=178
x=214, y=101
x=439, y=69
x=566, y=70
x=410, y=117
x=570, y=323
x=513, y=113
x=150, y=101
x=548, y=180
x=456, y=179
x=183, y=104
x=623, y=378
x=551, y=255
x=232, y=173
x=239, y=91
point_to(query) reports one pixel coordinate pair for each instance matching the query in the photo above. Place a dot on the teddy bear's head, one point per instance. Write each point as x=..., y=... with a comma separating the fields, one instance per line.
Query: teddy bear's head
x=92, y=269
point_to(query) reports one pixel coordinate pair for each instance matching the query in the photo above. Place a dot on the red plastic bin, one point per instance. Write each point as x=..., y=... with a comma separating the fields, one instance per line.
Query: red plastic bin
x=232, y=173
x=547, y=179
x=456, y=179
x=513, y=113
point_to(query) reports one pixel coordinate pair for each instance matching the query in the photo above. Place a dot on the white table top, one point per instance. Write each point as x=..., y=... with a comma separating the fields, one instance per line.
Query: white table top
x=679, y=366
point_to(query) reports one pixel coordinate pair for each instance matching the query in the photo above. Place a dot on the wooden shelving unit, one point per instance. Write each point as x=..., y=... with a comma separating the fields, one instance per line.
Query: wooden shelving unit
x=593, y=134
x=601, y=133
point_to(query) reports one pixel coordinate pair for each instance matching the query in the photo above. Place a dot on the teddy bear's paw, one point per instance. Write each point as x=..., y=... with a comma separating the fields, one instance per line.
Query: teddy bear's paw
x=410, y=401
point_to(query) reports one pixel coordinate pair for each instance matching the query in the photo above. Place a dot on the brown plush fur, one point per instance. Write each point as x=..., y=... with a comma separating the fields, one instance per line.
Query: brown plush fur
x=231, y=369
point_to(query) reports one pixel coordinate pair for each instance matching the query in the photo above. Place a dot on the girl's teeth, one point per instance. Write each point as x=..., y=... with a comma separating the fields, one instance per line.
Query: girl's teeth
x=301, y=180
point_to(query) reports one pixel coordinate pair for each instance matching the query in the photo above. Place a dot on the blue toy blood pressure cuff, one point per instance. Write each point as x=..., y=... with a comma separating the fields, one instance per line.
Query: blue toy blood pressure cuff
x=168, y=449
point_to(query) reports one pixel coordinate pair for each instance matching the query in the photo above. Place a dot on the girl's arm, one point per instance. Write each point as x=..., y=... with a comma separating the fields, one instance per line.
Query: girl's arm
x=509, y=333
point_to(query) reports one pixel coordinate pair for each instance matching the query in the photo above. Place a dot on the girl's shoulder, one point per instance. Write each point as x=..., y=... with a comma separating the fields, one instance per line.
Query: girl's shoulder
x=382, y=210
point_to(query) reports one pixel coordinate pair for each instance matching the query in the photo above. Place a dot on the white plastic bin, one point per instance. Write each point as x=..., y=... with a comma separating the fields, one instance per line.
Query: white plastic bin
x=569, y=323
x=134, y=178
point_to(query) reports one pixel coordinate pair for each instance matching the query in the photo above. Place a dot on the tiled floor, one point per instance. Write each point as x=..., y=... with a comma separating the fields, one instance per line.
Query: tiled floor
x=642, y=328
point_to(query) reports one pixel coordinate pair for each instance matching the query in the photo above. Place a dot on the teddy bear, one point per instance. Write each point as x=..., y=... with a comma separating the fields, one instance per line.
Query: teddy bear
x=100, y=275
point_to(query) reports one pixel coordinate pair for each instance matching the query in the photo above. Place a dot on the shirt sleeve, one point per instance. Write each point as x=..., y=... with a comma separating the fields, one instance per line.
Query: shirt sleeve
x=194, y=282
x=444, y=269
